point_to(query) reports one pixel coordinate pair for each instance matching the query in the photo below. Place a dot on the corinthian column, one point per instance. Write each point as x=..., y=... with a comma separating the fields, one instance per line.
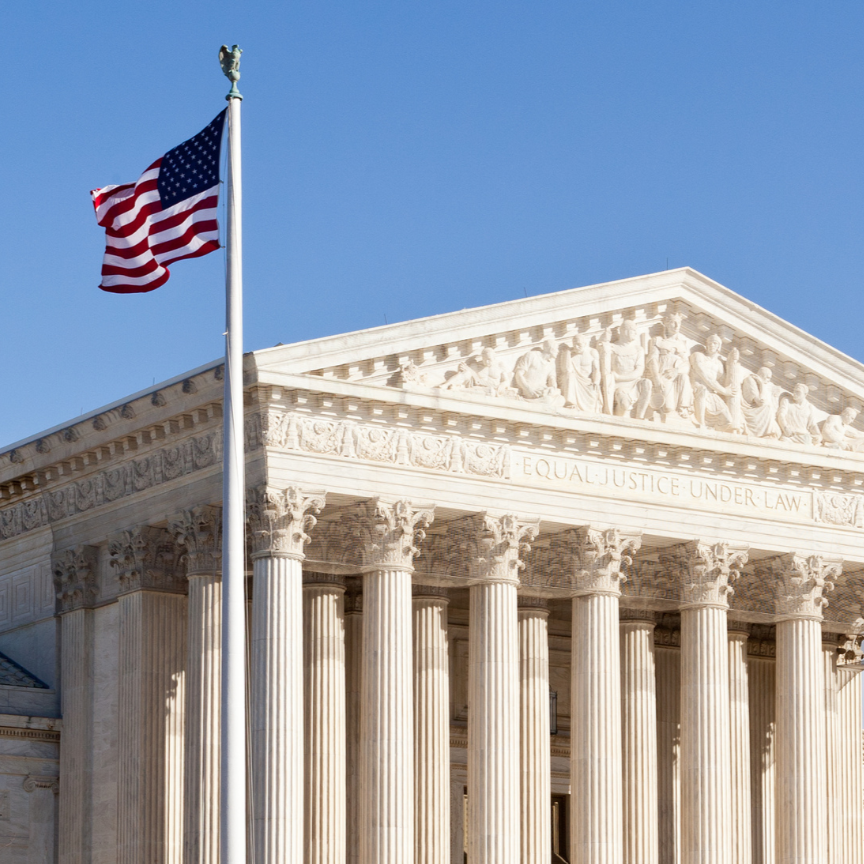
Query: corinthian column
x=739, y=707
x=353, y=678
x=152, y=659
x=763, y=749
x=534, y=743
x=639, y=737
x=801, y=746
x=849, y=753
x=390, y=535
x=706, y=780
x=492, y=545
x=593, y=558
x=199, y=533
x=431, y=726
x=834, y=803
x=278, y=522
x=76, y=587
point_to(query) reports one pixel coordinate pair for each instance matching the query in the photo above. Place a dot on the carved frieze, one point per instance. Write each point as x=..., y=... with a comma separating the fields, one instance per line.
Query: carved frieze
x=492, y=546
x=705, y=570
x=592, y=557
x=279, y=519
x=146, y=558
x=801, y=582
x=76, y=578
x=198, y=531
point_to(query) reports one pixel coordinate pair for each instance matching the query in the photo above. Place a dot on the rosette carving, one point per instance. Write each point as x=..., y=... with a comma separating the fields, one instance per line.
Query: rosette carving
x=146, y=557
x=492, y=546
x=75, y=578
x=706, y=571
x=801, y=581
x=592, y=557
x=198, y=532
x=280, y=520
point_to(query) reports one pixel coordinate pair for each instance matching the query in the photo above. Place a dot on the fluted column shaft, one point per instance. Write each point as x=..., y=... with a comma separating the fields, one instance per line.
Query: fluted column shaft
x=639, y=740
x=493, y=725
x=668, y=662
x=431, y=727
x=534, y=743
x=203, y=722
x=763, y=757
x=152, y=657
x=833, y=768
x=353, y=679
x=706, y=792
x=849, y=758
x=324, y=661
x=739, y=706
x=386, y=730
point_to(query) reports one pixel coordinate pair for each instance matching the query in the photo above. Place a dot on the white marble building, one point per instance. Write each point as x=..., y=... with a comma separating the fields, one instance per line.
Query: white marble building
x=575, y=578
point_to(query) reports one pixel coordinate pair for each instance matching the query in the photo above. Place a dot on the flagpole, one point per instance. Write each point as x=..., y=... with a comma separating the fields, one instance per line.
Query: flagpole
x=233, y=757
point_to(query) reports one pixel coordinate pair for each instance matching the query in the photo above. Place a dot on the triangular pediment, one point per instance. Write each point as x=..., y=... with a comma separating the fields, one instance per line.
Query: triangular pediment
x=642, y=354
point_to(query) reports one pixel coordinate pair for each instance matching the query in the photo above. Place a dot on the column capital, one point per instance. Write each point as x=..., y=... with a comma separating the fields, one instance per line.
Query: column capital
x=75, y=578
x=800, y=583
x=430, y=592
x=532, y=603
x=198, y=531
x=629, y=615
x=491, y=545
x=738, y=629
x=32, y=782
x=146, y=558
x=706, y=571
x=390, y=533
x=323, y=580
x=279, y=520
x=592, y=556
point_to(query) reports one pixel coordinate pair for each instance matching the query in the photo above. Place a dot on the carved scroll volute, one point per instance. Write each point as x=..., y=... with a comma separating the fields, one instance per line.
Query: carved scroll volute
x=593, y=557
x=198, y=532
x=801, y=582
x=75, y=578
x=492, y=546
x=391, y=533
x=146, y=557
x=706, y=571
x=280, y=520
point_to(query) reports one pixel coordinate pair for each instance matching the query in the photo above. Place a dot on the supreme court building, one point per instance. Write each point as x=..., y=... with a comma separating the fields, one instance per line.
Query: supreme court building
x=573, y=578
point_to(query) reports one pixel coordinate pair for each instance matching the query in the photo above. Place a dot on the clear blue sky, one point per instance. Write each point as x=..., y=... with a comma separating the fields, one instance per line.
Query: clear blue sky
x=405, y=159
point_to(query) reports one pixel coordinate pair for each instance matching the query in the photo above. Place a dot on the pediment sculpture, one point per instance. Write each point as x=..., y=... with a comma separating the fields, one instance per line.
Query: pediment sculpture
x=666, y=378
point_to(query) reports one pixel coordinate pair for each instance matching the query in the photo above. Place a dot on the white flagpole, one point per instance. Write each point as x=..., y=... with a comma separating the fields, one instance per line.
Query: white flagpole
x=233, y=761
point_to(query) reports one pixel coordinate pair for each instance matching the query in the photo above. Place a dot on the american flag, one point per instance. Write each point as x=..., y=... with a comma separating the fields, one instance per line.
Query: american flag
x=167, y=215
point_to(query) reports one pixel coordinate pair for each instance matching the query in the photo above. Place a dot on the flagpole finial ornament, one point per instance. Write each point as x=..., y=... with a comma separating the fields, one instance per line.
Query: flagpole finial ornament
x=229, y=60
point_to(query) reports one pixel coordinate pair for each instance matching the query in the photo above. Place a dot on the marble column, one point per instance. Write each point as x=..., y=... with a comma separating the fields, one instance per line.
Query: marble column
x=763, y=750
x=353, y=683
x=668, y=662
x=324, y=677
x=639, y=737
x=801, y=748
x=739, y=722
x=391, y=533
x=278, y=520
x=199, y=532
x=151, y=697
x=849, y=758
x=534, y=741
x=833, y=768
x=706, y=778
x=491, y=545
x=593, y=557
x=431, y=726
x=76, y=585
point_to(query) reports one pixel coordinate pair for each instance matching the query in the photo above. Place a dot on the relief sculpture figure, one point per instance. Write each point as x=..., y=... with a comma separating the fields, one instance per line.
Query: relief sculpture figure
x=838, y=434
x=484, y=374
x=668, y=368
x=535, y=375
x=622, y=365
x=715, y=400
x=579, y=375
x=760, y=403
x=797, y=417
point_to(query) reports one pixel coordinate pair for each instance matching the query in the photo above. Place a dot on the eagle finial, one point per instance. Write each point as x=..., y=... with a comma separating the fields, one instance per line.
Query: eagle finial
x=229, y=60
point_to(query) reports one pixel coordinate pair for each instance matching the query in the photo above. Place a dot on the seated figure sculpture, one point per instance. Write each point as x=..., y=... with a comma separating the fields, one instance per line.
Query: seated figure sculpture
x=716, y=388
x=797, y=417
x=760, y=403
x=625, y=390
x=535, y=375
x=668, y=368
x=838, y=434
x=482, y=374
x=579, y=375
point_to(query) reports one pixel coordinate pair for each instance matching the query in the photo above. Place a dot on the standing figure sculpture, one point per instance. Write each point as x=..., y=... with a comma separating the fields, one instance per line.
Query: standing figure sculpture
x=797, y=417
x=760, y=403
x=622, y=367
x=579, y=375
x=668, y=368
x=535, y=375
x=716, y=393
